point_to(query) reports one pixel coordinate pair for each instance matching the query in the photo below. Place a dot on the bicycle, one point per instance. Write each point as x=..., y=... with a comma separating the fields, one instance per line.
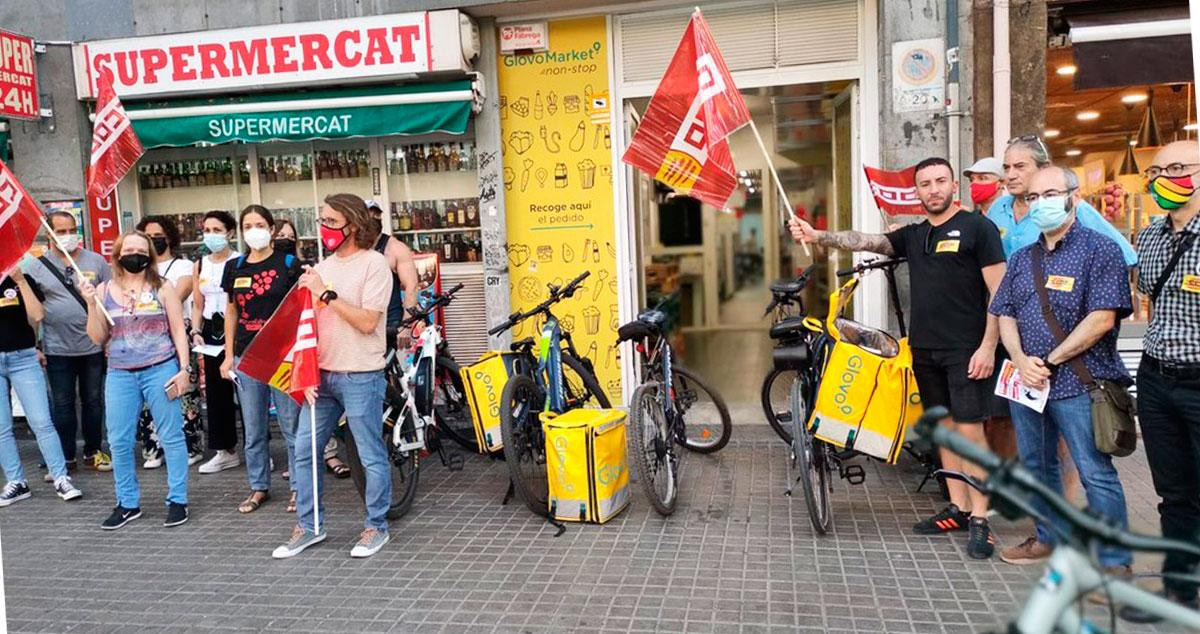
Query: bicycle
x=556, y=379
x=787, y=308
x=1070, y=572
x=657, y=416
x=411, y=418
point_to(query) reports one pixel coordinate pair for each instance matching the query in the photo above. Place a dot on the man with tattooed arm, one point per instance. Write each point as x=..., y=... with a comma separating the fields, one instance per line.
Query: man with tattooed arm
x=955, y=264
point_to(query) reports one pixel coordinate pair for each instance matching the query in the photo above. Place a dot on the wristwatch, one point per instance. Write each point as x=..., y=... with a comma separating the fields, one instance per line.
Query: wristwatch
x=328, y=296
x=1052, y=367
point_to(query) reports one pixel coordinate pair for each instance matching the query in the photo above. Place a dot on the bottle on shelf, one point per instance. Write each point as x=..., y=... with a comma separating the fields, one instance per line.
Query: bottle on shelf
x=364, y=164
x=422, y=165
x=472, y=212
x=447, y=249
x=306, y=168
x=406, y=221
x=451, y=213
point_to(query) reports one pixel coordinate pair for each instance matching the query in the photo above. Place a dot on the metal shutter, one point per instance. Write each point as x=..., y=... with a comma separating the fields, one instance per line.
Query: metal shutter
x=763, y=36
x=466, y=316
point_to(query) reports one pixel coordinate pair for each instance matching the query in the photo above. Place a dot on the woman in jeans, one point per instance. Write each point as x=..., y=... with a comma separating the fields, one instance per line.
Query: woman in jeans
x=256, y=284
x=147, y=365
x=20, y=313
x=208, y=328
x=177, y=271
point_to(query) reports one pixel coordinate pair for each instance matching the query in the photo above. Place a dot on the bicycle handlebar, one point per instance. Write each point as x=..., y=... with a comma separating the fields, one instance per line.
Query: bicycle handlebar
x=440, y=299
x=871, y=264
x=1008, y=478
x=557, y=294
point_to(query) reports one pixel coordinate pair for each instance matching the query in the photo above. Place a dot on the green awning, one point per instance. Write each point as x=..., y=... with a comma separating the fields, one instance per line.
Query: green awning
x=333, y=114
x=4, y=146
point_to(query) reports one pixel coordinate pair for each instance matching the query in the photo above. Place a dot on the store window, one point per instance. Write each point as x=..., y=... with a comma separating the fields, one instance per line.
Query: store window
x=434, y=196
x=186, y=184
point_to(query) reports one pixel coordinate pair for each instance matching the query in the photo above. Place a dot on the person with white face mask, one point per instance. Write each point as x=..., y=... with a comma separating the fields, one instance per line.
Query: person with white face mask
x=257, y=284
x=74, y=363
x=208, y=328
x=1079, y=275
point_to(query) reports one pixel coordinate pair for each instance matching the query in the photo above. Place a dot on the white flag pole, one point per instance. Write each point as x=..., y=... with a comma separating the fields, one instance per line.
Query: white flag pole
x=783, y=198
x=312, y=437
x=99, y=302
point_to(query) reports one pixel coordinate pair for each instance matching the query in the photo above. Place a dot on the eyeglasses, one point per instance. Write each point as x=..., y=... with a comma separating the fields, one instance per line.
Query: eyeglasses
x=330, y=223
x=1174, y=170
x=1049, y=193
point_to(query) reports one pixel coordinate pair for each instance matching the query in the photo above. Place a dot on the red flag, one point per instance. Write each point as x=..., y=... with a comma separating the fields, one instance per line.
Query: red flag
x=895, y=192
x=681, y=139
x=284, y=353
x=20, y=220
x=115, y=146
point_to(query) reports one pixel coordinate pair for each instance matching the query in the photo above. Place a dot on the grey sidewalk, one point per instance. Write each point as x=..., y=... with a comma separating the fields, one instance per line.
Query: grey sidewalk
x=738, y=556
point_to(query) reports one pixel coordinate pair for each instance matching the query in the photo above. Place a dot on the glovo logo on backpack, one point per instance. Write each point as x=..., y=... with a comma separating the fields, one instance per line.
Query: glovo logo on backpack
x=586, y=466
x=483, y=383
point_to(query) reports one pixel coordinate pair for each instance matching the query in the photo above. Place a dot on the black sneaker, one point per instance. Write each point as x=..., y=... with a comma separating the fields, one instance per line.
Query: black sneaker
x=948, y=520
x=120, y=517
x=176, y=514
x=14, y=492
x=980, y=544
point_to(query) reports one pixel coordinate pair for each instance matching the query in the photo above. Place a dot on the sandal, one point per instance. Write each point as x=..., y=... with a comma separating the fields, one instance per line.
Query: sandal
x=252, y=503
x=291, y=507
x=337, y=468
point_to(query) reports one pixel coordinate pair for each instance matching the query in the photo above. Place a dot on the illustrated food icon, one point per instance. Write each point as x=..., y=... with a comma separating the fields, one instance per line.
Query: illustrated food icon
x=520, y=141
x=521, y=106
x=568, y=323
x=509, y=177
x=571, y=104
x=545, y=253
x=568, y=253
x=578, y=139
x=553, y=140
x=518, y=255
x=591, y=320
x=542, y=175
x=551, y=103
x=529, y=289
x=528, y=165
x=539, y=107
x=612, y=251
x=560, y=175
x=600, y=285
x=587, y=173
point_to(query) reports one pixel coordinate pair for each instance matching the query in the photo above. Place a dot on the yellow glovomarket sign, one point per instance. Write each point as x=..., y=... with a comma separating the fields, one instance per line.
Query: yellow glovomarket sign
x=555, y=121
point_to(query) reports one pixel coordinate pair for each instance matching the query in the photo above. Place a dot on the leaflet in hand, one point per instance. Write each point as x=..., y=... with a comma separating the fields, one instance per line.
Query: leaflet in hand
x=1009, y=385
x=209, y=350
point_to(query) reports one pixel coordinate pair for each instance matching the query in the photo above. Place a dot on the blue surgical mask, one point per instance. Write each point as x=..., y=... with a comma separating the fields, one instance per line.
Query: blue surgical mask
x=215, y=242
x=1049, y=213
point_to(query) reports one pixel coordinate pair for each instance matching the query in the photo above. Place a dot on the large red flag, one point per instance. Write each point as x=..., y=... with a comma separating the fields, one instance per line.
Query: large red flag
x=115, y=146
x=681, y=139
x=284, y=353
x=895, y=192
x=20, y=220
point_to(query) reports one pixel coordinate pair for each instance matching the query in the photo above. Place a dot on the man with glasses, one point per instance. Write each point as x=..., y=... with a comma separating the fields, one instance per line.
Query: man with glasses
x=73, y=361
x=1023, y=157
x=1169, y=375
x=955, y=263
x=1080, y=276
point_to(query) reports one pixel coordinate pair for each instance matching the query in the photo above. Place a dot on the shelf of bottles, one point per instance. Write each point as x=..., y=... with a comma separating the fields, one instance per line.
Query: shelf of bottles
x=187, y=189
x=434, y=188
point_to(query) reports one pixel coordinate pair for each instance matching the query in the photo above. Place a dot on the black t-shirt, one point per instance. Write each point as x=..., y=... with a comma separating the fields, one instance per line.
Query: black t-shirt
x=257, y=289
x=949, y=295
x=15, y=332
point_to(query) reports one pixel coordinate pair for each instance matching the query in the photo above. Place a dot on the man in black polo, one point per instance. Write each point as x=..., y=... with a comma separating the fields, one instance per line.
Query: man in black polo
x=955, y=263
x=1168, y=378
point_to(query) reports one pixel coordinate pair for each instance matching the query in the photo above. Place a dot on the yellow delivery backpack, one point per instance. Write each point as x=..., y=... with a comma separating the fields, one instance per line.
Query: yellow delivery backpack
x=586, y=464
x=483, y=382
x=868, y=395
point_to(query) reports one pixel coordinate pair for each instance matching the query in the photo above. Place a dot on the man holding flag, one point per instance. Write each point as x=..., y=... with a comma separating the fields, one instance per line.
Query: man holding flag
x=352, y=287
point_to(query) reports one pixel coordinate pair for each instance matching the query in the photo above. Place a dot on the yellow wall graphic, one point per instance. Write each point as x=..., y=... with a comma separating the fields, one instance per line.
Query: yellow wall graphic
x=555, y=127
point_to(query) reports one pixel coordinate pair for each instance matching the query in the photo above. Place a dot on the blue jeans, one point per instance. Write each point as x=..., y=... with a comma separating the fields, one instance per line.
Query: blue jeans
x=255, y=398
x=125, y=391
x=1037, y=442
x=22, y=371
x=360, y=396
x=64, y=374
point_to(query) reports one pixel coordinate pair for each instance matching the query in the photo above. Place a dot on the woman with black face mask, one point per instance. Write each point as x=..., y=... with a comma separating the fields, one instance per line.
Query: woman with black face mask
x=147, y=365
x=177, y=271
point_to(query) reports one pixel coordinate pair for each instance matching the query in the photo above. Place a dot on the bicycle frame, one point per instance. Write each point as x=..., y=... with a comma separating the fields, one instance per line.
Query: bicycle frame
x=663, y=353
x=422, y=357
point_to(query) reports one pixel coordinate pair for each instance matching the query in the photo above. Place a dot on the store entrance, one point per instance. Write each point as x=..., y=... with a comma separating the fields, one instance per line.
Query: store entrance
x=716, y=265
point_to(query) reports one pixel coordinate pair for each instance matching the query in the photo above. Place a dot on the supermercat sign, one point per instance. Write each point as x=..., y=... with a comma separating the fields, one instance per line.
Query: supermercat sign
x=397, y=45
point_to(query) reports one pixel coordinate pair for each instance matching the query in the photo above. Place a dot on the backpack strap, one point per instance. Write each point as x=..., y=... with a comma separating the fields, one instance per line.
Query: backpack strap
x=62, y=280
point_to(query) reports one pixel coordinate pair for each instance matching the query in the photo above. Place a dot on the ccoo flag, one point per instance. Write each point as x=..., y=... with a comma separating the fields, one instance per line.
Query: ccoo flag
x=115, y=146
x=681, y=139
x=284, y=353
x=20, y=220
x=895, y=192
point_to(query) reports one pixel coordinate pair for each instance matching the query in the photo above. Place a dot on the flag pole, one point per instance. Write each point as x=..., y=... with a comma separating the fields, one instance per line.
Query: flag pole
x=99, y=303
x=312, y=439
x=778, y=183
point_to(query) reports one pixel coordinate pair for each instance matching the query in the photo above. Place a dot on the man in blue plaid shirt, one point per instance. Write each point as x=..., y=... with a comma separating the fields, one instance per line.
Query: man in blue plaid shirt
x=1169, y=375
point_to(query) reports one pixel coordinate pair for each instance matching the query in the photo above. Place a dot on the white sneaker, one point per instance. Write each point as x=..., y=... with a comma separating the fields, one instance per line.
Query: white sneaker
x=193, y=458
x=369, y=543
x=153, y=461
x=220, y=462
x=66, y=489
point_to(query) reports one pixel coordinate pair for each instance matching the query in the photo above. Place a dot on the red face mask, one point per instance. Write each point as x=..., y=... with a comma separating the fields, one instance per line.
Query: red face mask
x=332, y=238
x=981, y=192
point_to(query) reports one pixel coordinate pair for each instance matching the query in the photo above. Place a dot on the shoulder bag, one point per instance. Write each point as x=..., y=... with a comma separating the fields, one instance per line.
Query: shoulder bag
x=1112, y=407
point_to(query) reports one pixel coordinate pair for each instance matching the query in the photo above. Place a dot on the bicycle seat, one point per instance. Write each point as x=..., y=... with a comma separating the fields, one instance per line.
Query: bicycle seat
x=788, y=328
x=788, y=287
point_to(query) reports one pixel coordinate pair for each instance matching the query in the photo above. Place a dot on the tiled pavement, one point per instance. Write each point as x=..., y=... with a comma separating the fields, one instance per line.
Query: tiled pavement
x=738, y=556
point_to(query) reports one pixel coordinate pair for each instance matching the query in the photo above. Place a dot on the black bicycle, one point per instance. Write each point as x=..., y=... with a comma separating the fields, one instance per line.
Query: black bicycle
x=787, y=308
x=556, y=378
x=671, y=407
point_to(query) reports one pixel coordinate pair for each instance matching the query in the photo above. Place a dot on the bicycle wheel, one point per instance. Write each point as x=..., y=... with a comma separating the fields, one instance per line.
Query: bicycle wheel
x=706, y=418
x=655, y=460
x=809, y=464
x=580, y=387
x=450, y=403
x=776, y=402
x=524, y=441
x=405, y=467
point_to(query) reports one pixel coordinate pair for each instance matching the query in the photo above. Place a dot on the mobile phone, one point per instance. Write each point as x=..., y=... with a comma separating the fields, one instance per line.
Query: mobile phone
x=172, y=391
